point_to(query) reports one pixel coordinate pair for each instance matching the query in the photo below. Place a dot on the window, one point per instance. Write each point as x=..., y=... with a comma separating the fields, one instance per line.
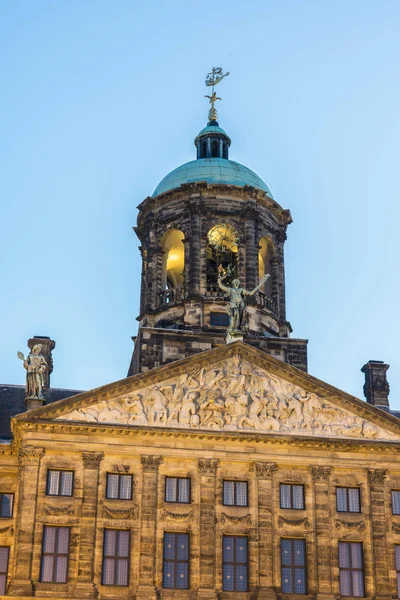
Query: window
x=292, y=496
x=351, y=569
x=60, y=483
x=218, y=319
x=293, y=566
x=235, y=493
x=348, y=499
x=6, y=506
x=116, y=550
x=4, y=552
x=396, y=502
x=119, y=486
x=177, y=489
x=55, y=550
x=176, y=561
x=397, y=559
x=235, y=567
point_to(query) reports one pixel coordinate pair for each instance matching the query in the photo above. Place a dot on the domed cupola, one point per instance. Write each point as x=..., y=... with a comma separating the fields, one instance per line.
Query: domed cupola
x=212, y=142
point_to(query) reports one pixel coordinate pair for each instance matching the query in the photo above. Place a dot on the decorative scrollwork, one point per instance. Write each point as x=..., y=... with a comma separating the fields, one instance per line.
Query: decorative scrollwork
x=350, y=526
x=166, y=514
x=48, y=509
x=376, y=476
x=29, y=455
x=115, y=513
x=320, y=473
x=293, y=522
x=151, y=463
x=207, y=466
x=245, y=520
x=92, y=460
x=265, y=470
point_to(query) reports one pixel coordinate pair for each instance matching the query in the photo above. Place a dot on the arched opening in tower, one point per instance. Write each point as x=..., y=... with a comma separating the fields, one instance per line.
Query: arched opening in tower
x=265, y=255
x=173, y=260
x=222, y=254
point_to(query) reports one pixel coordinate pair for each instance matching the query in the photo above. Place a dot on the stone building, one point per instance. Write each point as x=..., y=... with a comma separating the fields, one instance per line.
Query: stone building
x=215, y=469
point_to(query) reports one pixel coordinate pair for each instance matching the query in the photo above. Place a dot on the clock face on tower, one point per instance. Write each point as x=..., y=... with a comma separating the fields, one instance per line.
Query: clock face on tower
x=224, y=238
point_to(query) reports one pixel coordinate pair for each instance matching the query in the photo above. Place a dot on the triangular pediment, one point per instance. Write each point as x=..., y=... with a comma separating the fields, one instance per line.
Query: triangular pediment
x=235, y=389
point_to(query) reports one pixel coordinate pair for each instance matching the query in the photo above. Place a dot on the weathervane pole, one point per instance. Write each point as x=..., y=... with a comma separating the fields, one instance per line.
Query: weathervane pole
x=212, y=80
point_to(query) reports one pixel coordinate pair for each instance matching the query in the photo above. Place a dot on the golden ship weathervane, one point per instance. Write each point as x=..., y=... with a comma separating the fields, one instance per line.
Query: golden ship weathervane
x=212, y=80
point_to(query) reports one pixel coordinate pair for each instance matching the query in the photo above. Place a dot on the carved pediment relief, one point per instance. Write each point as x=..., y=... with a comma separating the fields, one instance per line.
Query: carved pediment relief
x=232, y=395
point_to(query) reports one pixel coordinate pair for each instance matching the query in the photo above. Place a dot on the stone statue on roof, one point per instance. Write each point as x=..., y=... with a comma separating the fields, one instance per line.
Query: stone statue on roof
x=36, y=366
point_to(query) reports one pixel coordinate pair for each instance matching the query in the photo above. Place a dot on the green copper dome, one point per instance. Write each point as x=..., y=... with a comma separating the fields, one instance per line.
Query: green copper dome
x=211, y=170
x=212, y=130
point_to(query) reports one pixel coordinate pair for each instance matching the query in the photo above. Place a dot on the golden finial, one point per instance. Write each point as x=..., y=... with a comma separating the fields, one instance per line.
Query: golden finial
x=213, y=79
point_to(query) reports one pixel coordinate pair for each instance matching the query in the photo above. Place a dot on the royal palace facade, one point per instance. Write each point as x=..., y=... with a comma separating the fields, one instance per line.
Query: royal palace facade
x=218, y=468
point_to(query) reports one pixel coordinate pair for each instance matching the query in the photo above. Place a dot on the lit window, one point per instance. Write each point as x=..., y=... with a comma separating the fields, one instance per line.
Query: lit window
x=293, y=566
x=235, y=493
x=176, y=561
x=177, y=489
x=292, y=496
x=116, y=550
x=60, y=483
x=119, y=486
x=6, y=505
x=235, y=567
x=351, y=569
x=55, y=552
x=348, y=499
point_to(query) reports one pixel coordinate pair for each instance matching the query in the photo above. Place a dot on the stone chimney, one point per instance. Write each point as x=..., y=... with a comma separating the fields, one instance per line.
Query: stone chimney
x=376, y=387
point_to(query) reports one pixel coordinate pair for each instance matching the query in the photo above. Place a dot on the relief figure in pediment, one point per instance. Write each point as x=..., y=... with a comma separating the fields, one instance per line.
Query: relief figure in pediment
x=134, y=407
x=211, y=412
x=209, y=377
x=188, y=410
x=156, y=407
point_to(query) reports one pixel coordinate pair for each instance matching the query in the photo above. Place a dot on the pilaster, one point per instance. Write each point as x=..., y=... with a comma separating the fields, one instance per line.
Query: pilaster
x=146, y=589
x=320, y=476
x=265, y=475
x=207, y=471
x=194, y=249
x=29, y=461
x=251, y=249
x=85, y=587
x=380, y=551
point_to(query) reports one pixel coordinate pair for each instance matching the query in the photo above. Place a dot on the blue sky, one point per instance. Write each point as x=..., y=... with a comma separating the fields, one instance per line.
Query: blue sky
x=101, y=99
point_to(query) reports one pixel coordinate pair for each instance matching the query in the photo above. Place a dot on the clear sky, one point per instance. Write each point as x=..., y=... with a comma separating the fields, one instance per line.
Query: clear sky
x=101, y=99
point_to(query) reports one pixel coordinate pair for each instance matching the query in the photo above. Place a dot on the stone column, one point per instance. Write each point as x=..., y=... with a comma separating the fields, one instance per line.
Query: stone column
x=194, y=249
x=322, y=538
x=85, y=586
x=207, y=471
x=251, y=249
x=264, y=475
x=281, y=282
x=379, y=526
x=275, y=282
x=148, y=526
x=29, y=462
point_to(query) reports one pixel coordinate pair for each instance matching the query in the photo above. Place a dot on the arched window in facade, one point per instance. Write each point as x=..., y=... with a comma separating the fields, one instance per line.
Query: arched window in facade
x=174, y=260
x=265, y=255
x=222, y=251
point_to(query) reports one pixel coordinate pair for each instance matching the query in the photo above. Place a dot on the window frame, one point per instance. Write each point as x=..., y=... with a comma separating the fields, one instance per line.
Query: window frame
x=6, y=571
x=1, y=504
x=351, y=569
x=175, y=560
x=120, y=475
x=342, y=487
x=397, y=491
x=177, y=484
x=116, y=558
x=235, y=494
x=293, y=566
x=55, y=554
x=292, y=485
x=51, y=470
x=235, y=563
x=397, y=568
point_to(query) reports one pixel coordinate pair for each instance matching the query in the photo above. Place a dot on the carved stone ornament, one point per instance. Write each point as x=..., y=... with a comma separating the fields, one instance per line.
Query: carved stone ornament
x=245, y=520
x=121, y=468
x=232, y=395
x=265, y=470
x=151, y=463
x=320, y=473
x=29, y=455
x=207, y=466
x=8, y=531
x=116, y=513
x=92, y=460
x=48, y=509
x=167, y=515
x=350, y=526
x=293, y=522
x=396, y=528
x=376, y=476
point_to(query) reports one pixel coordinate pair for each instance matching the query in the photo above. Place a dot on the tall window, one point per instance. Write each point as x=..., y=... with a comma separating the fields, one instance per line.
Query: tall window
x=4, y=552
x=222, y=252
x=397, y=559
x=6, y=505
x=235, y=567
x=265, y=255
x=292, y=496
x=235, y=493
x=396, y=502
x=174, y=259
x=348, y=499
x=177, y=489
x=176, y=561
x=293, y=566
x=119, y=486
x=351, y=569
x=55, y=550
x=116, y=550
x=59, y=483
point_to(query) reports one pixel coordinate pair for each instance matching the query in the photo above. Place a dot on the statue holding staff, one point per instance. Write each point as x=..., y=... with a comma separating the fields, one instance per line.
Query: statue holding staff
x=35, y=365
x=237, y=301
